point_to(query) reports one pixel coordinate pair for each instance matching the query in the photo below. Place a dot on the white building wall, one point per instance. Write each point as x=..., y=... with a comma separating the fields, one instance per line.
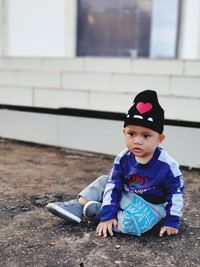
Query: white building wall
x=189, y=41
x=105, y=84
x=30, y=76
x=39, y=27
x=96, y=135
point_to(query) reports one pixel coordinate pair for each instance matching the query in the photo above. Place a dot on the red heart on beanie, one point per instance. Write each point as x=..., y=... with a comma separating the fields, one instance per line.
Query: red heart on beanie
x=143, y=107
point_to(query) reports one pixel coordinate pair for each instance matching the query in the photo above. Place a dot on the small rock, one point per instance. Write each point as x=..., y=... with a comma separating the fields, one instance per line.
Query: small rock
x=26, y=207
x=44, y=199
x=11, y=207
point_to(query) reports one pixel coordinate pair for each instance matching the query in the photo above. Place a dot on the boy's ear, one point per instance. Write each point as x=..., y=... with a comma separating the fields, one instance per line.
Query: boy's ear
x=161, y=138
x=124, y=130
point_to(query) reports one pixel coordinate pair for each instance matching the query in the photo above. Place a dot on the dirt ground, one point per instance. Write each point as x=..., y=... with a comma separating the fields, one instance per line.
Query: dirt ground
x=32, y=176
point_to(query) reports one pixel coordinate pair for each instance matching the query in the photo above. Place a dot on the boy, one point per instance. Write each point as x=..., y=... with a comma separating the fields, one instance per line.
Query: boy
x=145, y=184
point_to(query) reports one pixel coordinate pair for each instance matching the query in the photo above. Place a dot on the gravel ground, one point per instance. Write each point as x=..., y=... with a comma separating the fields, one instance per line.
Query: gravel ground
x=32, y=176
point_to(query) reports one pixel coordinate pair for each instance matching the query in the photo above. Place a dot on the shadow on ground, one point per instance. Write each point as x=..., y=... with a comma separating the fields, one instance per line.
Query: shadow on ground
x=32, y=176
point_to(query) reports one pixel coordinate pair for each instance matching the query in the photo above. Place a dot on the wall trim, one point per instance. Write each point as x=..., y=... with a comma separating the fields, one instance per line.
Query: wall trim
x=92, y=114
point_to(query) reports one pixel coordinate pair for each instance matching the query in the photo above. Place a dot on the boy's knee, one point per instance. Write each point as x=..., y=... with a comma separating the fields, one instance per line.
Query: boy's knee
x=102, y=180
x=134, y=223
x=129, y=224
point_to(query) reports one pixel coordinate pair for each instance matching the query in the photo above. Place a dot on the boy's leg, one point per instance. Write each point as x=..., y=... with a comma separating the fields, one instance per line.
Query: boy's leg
x=137, y=215
x=95, y=190
x=73, y=210
x=93, y=195
x=70, y=210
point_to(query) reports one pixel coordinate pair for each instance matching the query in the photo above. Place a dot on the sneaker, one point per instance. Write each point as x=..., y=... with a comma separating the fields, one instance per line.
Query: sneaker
x=71, y=210
x=92, y=210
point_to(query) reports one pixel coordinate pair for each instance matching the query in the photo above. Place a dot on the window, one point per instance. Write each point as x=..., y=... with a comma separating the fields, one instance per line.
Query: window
x=164, y=28
x=127, y=28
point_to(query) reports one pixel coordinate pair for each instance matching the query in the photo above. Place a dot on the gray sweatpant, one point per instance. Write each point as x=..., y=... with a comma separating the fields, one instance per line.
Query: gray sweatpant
x=135, y=216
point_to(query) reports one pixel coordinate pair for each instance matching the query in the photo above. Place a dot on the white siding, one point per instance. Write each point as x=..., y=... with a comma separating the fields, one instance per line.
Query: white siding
x=92, y=83
x=96, y=135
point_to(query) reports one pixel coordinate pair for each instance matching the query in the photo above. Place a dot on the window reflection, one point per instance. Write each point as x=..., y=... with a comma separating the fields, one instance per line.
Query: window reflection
x=164, y=28
x=114, y=28
x=129, y=28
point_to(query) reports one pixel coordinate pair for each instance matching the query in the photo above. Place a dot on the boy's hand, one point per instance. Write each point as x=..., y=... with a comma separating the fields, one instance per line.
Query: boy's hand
x=169, y=230
x=106, y=227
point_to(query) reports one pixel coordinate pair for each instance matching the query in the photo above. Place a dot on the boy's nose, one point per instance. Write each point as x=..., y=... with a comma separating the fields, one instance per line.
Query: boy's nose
x=138, y=140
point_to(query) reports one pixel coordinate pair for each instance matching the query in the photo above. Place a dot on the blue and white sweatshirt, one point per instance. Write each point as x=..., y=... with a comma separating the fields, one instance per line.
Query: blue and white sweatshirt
x=158, y=181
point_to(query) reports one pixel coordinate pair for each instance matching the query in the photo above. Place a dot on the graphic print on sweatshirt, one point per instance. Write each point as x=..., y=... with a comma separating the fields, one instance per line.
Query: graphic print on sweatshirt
x=137, y=183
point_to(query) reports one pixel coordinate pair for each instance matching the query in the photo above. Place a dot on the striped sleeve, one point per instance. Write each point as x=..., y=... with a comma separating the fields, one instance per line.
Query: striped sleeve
x=174, y=196
x=113, y=190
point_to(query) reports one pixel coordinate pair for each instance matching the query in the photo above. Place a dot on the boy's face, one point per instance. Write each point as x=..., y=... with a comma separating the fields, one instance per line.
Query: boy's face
x=142, y=142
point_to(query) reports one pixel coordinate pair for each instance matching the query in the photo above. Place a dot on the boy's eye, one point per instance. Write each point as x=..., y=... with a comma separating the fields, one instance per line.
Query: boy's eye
x=147, y=135
x=130, y=134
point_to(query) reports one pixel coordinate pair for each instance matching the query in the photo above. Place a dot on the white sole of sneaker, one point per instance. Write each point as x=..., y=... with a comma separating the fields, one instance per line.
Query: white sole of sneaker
x=86, y=205
x=52, y=206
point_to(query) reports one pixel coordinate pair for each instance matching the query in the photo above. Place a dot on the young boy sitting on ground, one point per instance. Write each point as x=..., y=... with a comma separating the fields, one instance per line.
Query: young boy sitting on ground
x=145, y=184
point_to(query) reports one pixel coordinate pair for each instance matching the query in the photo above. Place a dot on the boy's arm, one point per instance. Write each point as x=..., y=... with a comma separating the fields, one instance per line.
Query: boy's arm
x=113, y=192
x=110, y=205
x=174, y=197
x=112, y=196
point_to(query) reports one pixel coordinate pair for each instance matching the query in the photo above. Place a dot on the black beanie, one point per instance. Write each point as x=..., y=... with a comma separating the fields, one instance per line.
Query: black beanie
x=146, y=112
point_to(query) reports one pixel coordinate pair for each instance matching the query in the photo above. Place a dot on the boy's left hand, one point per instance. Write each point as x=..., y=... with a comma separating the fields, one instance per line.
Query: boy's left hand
x=169, y=230
x=105, y=227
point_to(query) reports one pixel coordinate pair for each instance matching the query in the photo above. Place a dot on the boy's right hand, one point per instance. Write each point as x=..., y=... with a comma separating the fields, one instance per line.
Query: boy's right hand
x=106, y=227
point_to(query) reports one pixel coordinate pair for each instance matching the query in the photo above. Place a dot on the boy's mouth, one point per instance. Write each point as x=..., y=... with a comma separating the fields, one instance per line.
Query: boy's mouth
x=137, y=149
